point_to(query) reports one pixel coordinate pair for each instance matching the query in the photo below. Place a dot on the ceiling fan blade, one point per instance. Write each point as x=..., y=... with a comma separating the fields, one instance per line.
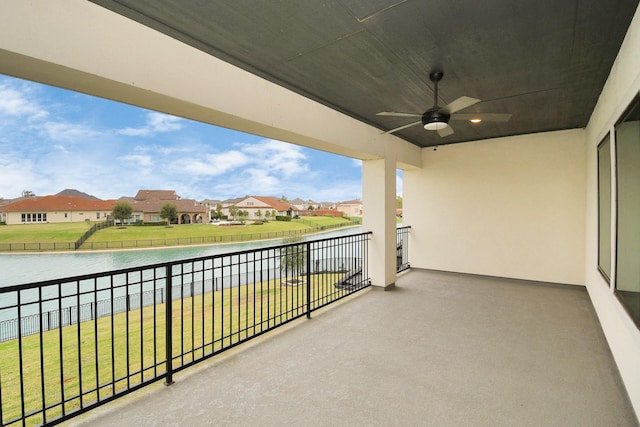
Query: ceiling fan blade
x=403, y=127
x=393, y=114
x=486, y=117
x=459, y=104
x=446, y=131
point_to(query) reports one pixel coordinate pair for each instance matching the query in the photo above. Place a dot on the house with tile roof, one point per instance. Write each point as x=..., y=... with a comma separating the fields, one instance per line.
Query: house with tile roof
x=55, y=209
x=350, y=207
x=156, y=195
x=147, y=205
x=261, y=204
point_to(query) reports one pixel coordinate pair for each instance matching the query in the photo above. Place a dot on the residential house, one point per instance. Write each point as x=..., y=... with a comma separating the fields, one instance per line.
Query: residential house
x=304, y=205
x=258, y=206
x=147, y=205
x=55, y=209
x=350, y=207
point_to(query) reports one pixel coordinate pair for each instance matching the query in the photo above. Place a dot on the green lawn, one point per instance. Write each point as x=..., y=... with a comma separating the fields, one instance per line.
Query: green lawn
x=149, y=236
x=320, y=221
x=189, y=230
x=99, y=361
x=28, y=233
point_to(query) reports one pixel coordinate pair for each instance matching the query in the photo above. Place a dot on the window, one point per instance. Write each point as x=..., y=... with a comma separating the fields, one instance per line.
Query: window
x=33, y=217
x=628, y=211
x=97, y=215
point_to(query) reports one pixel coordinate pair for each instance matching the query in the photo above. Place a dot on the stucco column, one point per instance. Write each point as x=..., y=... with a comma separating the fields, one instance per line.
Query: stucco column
x=379, y=217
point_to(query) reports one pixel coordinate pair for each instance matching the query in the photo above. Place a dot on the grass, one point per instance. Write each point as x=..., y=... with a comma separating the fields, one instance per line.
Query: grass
x=189, y=231
x=99, y=360
x=29, y=233
x=150, y=236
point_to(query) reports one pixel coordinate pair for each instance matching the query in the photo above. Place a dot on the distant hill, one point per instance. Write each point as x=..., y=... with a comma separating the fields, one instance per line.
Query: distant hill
x=72, y=192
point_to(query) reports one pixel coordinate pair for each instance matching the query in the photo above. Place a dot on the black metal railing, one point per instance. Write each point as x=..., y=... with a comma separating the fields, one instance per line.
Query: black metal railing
x=104, y=335
x=91, y=231
x=402, y=248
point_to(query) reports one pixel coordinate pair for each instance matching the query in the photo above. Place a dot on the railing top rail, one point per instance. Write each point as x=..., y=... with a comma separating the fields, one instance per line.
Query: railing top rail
x=79, y=278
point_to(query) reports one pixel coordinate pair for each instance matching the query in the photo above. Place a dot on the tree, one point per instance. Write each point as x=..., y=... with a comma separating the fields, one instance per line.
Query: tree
x=233, y=211
x=242, y=214
x=169, y=211
x=259, y=213
x=399, y=202
x=267, y=214
x=122, y=211
x=293, y=258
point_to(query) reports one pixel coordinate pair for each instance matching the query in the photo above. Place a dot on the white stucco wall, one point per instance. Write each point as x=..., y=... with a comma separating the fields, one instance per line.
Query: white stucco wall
x=507, y=207
x=622, y=334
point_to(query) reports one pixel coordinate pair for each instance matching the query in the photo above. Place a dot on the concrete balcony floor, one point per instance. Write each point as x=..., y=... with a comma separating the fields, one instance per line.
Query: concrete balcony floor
x=441, y=349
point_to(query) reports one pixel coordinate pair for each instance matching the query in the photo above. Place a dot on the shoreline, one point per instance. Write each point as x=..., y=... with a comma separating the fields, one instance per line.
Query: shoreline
x=149, y=248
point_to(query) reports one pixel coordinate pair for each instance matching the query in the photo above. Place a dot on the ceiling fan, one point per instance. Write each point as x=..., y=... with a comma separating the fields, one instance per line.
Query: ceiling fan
x=437, y=118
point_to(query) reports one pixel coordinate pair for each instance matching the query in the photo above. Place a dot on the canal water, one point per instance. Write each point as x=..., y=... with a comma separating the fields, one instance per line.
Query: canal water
x=16, y=269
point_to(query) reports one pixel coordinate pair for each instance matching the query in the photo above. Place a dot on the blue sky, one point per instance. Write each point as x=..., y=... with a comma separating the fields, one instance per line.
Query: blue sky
x=52, y=139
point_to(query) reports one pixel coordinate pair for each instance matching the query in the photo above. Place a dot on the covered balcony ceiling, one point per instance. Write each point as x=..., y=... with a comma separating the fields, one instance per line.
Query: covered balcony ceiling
x=544, y=62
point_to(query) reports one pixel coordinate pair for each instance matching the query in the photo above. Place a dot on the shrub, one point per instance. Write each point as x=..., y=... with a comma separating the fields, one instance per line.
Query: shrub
x=283, y=218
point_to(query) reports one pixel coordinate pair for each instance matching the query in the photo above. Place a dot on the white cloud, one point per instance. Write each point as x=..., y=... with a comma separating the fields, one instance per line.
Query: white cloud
x=65, y=131
x=15, y=102
x=52, y=139
x=285, y=159
x=155, y=123
x=140, y=160
x=17, y=175
x=211, y=164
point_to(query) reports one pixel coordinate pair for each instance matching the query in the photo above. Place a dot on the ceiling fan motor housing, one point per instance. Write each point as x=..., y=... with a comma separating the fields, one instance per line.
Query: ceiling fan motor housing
x=435, y=120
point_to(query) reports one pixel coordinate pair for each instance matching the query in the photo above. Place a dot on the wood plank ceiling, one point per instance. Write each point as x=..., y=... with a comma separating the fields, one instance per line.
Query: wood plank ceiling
x=543, y=61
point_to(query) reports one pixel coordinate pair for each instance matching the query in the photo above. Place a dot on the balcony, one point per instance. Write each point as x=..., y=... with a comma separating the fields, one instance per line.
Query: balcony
x=440, y=349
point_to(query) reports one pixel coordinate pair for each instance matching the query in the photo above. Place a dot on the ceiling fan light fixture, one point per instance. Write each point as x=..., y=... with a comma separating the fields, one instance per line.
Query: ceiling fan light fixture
x=435, y=125
x=435, y=120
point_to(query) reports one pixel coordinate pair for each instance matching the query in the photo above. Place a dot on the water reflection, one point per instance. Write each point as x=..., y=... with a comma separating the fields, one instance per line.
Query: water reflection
x=33, y=267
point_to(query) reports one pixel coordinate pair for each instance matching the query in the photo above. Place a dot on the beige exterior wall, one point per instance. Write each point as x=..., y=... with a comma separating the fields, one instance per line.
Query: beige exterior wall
x=350, y=210
x=507, y=207
x=60, y=217
x=622, y=334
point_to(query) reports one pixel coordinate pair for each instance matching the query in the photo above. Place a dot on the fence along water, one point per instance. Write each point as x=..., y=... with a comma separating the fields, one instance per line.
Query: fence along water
x=69, y=315
x=173, y=315
x=84, y=243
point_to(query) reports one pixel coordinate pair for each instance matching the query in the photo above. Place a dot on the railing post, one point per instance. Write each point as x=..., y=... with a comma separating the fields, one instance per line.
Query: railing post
x=169, y=326
x=308, y=249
